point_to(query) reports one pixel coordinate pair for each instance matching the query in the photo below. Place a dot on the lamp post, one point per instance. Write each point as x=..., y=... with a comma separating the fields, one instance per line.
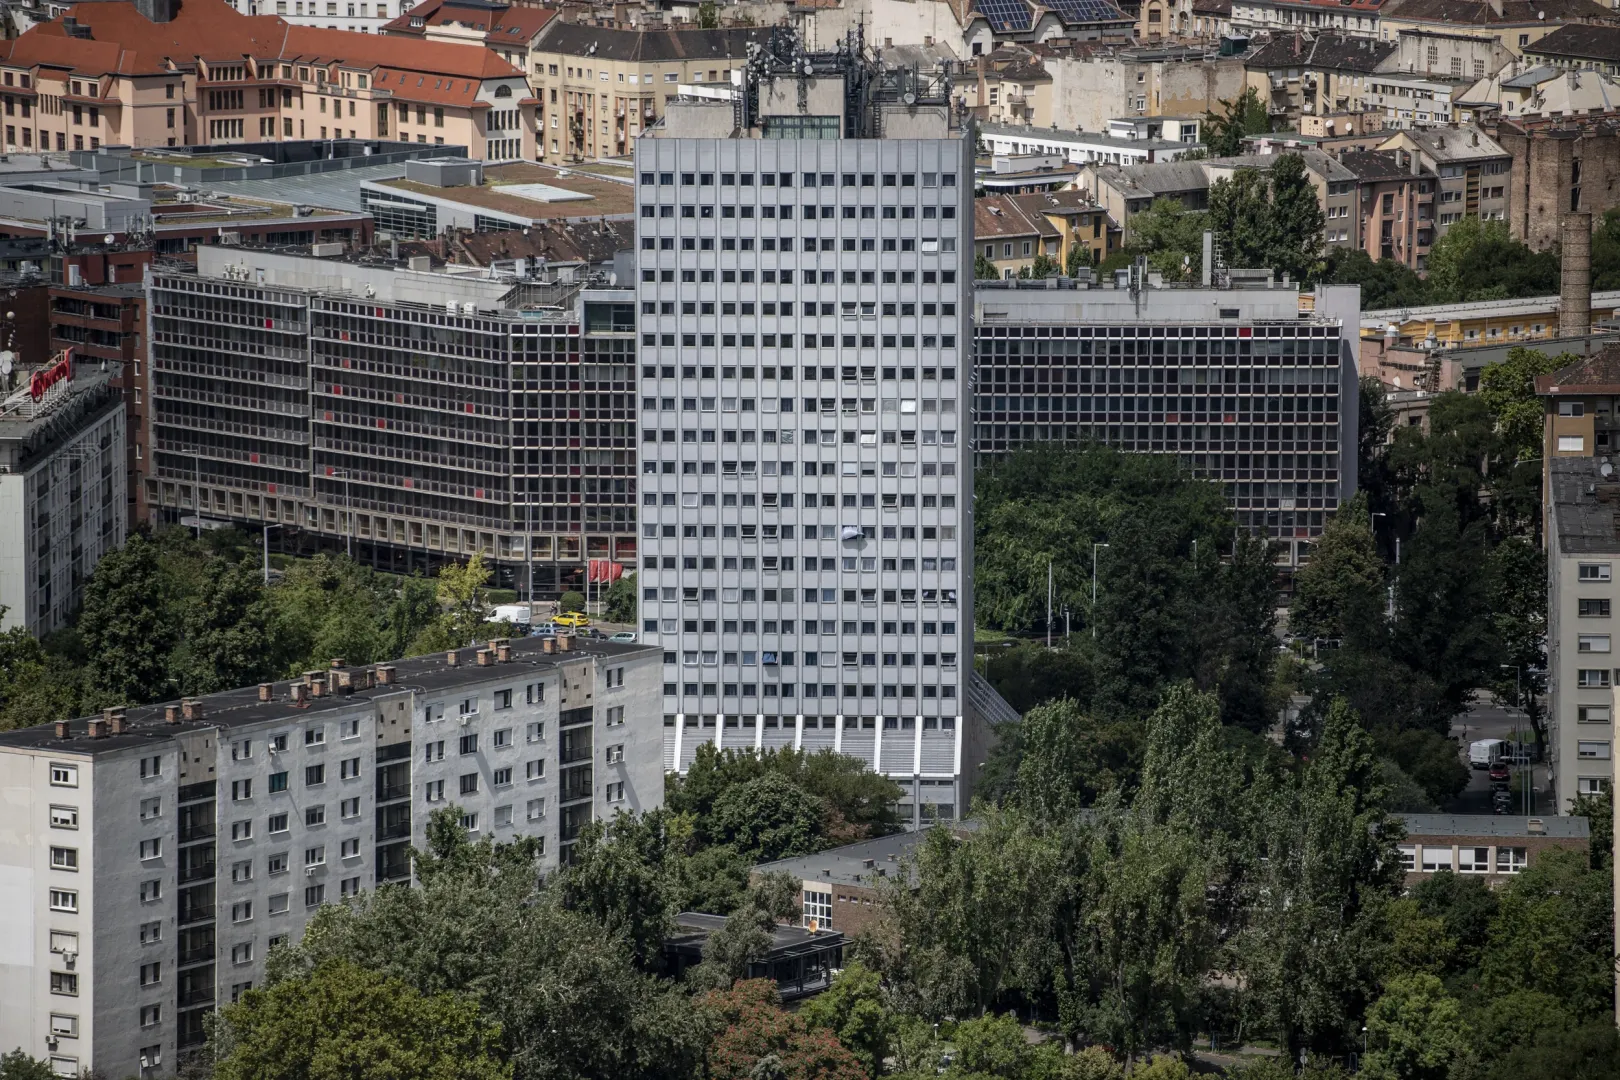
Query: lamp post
x=267, y=529
x=1094, y=548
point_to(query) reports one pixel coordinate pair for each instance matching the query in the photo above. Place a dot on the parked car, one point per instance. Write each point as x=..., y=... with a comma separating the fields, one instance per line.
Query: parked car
x=544, y=629
x=1486, y=752
x=627, y=637
x=1501, y=774
x=571, y=619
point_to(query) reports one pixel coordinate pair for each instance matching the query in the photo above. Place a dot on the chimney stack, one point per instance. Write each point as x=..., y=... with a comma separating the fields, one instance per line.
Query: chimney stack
x=565, y=642
x=300, y=695
x=317, y=688
x=486, y=657
x=452, y=658
x=98, y=729
x=338, y=663
x=385, y=675
x=191, y=708
x=62, y=731
x=1209, y=258
x=548, y=644
x=1575, y=287
x=171, y=714
x=504, y=654
x=115, y=719
x=267, y=691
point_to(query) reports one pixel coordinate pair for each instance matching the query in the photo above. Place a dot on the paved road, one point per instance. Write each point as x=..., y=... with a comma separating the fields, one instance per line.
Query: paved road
x=1488, y=720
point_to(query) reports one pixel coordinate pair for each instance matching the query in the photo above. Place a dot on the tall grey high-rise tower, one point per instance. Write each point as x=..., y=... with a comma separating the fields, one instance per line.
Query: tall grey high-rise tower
x=804, y=283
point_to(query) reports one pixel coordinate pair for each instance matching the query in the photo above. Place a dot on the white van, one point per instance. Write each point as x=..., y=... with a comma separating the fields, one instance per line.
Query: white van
x=1486, y=752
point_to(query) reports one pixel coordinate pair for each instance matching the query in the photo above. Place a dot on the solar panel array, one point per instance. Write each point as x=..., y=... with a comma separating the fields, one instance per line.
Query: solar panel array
x=1083, y=11
x=1006, y=15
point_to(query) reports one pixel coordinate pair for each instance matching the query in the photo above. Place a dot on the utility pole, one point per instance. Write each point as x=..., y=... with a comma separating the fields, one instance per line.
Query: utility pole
x=1094, y=548
x=1048, y=603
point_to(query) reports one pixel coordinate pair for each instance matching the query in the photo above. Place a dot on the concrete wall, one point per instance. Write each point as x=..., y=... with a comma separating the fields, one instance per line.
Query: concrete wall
x=1565, y=696
x=900, y=22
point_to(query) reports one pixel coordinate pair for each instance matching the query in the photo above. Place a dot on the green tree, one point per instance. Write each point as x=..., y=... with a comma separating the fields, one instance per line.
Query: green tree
x=1552, y=933
x=853, y=1009
x=1172, y=238
x=341, y=1022
x=1478, y=260
x=1069, y=759
x=571, y=601
x=747, y=935
x=126, y=624
x=984, y=269
x=1508, y=389
x=18, y=1065
x=464, y=607
x=1591, y=1052
x=621, y=601
x=1079, y=257
x=1375, y=422
x=227, y=640
x=1606, y=251
x=413, y=610
x=625, y=874
x=1431, y=760
x=1385, y=283
x=1519, y=619
x=1415, y=1032
x=768, y=818
x=36, y=687
x=1269, y=219
x=1241, y=117
x=1311, y=954
x=327, y=607
x=708, y=15
x=995, y=1046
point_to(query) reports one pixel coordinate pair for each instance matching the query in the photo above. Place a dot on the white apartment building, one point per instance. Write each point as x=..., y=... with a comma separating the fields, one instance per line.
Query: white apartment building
x=152, y=857
x=62, y=488
x=806, y=487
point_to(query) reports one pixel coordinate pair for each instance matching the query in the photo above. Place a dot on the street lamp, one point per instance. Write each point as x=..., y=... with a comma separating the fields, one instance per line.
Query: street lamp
x=1094, y=547
x=267, y=529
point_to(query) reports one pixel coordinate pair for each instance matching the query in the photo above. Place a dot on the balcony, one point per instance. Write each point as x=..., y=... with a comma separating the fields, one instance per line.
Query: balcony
x=203, y=872
x=200, y=913
x=200, y=831
x=397, y=831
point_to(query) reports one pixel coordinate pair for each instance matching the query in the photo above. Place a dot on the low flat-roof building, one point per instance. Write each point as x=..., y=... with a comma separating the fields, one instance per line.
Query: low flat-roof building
x=1495, y=847
x=802, y=960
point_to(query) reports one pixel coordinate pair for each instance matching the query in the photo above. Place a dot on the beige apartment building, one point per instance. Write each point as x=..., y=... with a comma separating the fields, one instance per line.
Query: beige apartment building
x=599, y=87
x=156, y=73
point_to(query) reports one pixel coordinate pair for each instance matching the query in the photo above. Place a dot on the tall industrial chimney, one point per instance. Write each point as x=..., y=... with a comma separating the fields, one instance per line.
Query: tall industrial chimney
x=1575, y=288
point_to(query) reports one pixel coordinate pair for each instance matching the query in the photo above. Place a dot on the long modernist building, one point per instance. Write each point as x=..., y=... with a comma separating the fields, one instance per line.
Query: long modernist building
x=151, y=858
x=1237, y=381
x=397, y=410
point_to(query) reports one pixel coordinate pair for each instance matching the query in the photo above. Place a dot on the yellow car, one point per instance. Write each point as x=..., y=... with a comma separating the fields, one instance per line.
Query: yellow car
x=570, y=618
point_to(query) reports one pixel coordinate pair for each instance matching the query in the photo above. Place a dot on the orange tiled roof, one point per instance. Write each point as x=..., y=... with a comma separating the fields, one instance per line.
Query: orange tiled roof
x=122, y=41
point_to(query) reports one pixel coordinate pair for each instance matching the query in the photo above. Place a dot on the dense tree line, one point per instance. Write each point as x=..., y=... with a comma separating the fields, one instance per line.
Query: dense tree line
x=171, y=614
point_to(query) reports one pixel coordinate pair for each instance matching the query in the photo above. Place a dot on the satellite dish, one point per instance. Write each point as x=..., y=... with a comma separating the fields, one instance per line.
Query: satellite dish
x=1606, y=469
x=909, y=98
x=108, y=239
x=6, y=359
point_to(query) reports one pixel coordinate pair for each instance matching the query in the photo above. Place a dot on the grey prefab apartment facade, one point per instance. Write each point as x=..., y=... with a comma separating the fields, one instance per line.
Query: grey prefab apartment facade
x=1238, y=382
x=150, y=858
x=806, y=489
x=411, y=415
x=1583, y=557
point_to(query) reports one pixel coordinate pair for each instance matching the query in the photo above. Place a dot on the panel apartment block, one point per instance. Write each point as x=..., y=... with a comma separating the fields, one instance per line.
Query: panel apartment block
x=806, y=488
x=1239, y=383
x=151, y=858
x=408, y=415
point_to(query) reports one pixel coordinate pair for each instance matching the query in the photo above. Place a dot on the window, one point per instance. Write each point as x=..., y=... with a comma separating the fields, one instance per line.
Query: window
x=314, y=736
x=469, y=706
x=468, y=744
x=1592, y=643
x=276, y=864
x=615, y=716
x=315, y=856
x=67, y=817
x=151, y=849
x=501, y=777
x=1510, y=860
x=64, y=900
x=502, y=738
x=314, y=895
x=614, y=792
x=536, y=809
x=64, y=775
x=242, y=911
x=314, y=815
x=151, y=766
x=242, y=871
x=278, y=823
x=503, y=699
x=151, y=1015
x=67, y=984
x=1592, y=678
x=817, y=908
x=534, y=770
x=1593, y=608
x=1593, y=572
x=241, y=790
x=349, y=886
x=1592, y=714
x=278, y=743
x=1474, y=860
x=64, y=858
x=278, y=782
x=435, y=791
x=151, y=808
x=536, y=732
x=350, y=849
x=1572, y=408
x=278, y=904
x=469, y=783
x=536, y=694
x=152, y=974
x=1436, y=859
x=243, y=953
x=1592, y=751
x=349, y=729
x=1591, y=785
x=348, y=768
x=64, y=1026
x=151, y=890
x=349, y=808
x=314, y=775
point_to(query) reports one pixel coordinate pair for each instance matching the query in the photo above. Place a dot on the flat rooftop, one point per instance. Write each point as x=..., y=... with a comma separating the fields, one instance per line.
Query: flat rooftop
x=1038, y=136
x=1479, y=309
x=848, y=865
x=1497, y=825
x=144, y=725
x=1584, y=505
x=534, y=192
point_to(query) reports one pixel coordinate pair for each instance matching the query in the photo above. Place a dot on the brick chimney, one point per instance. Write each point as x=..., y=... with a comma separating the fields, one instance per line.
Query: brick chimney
x=191, y=708
x=98, y=729
x=452, y=658
x=62, y=730
x=267, y=691
x=385, y=675
x=171, y=714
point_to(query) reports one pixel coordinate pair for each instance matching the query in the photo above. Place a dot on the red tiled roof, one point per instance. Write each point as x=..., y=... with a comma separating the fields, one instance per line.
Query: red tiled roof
x=125, y=42
x=512, y=26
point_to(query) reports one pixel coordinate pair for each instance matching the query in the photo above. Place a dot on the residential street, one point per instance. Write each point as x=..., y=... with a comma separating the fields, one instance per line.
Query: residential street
x=1488, y=720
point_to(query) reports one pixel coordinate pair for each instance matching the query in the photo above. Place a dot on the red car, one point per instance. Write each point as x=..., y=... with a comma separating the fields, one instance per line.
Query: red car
x=1500, y=773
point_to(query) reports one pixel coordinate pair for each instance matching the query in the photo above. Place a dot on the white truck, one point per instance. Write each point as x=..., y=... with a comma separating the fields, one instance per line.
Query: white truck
x=517, y=614
x=1486, y=752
